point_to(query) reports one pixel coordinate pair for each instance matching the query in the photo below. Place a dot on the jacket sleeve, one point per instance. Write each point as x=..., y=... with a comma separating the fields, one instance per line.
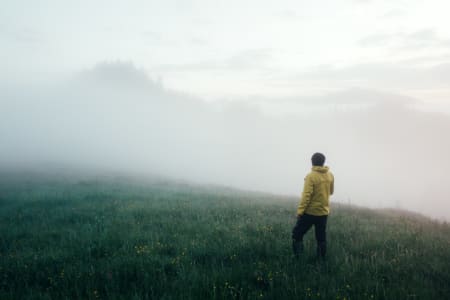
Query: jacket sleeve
x=332, y=185
x=308, y=189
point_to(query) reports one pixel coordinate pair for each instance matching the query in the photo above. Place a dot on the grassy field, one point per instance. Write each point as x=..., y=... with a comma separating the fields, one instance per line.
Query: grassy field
x=116, y=238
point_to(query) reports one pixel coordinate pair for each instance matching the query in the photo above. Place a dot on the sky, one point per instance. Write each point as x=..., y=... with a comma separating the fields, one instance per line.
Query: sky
x=238, y=93
x=239, y=49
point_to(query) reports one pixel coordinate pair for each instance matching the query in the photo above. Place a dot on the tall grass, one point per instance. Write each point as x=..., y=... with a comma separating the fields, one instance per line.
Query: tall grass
x=116, y=239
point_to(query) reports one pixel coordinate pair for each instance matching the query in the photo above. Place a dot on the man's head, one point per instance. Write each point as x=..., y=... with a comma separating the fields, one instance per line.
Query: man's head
x=318, y=159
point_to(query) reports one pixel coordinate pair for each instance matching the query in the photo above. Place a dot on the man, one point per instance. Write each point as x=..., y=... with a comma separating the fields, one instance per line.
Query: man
x=314, y=206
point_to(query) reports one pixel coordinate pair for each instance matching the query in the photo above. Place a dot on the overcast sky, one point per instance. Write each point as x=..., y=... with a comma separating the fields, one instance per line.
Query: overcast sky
x=239, y=49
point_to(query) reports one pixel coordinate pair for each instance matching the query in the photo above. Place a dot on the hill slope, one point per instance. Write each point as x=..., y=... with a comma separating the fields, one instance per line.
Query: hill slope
x=123, y=239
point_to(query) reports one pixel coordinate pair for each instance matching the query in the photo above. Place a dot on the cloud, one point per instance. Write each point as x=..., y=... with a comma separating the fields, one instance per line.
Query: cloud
x=394, y=13
x=152, y=35
x=287, y=14
x=198, y=41
x=395, y=76
x=159, y=39
x=423, y=35
x=366, y=97
x=375, y=39
x=363, y=1
x=250, y=59
x=348, y=100
x=428, y=60
x=418, y=39
x=25, y=35
x=117, y=75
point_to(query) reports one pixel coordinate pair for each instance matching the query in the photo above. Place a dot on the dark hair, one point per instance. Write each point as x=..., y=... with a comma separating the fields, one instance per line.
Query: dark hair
x=318, y=159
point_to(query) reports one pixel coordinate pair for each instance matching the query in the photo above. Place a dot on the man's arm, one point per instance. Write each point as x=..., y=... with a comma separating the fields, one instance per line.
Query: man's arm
x=332, y=185
x=308, y=189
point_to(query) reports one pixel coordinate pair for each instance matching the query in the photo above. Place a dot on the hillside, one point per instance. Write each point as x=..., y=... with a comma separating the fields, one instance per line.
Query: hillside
x=118, y=238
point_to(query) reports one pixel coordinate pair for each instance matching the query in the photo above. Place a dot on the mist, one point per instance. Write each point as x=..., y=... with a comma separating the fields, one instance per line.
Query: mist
x=114, y=117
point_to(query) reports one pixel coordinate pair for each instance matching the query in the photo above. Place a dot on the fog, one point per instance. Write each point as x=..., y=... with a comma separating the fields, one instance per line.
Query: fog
x=114, y=117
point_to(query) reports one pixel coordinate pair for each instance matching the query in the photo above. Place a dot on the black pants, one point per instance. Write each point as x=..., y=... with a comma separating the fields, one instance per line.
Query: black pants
x=304, y=223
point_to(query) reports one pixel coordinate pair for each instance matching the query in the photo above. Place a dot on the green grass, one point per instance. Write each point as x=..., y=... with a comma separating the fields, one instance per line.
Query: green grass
x=123, y=239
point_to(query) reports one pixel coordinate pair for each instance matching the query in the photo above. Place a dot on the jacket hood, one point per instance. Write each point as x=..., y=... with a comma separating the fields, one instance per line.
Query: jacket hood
x=320, y=169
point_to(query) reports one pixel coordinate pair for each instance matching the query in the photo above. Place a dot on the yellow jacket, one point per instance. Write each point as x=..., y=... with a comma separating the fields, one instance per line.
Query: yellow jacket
x=319, y=185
